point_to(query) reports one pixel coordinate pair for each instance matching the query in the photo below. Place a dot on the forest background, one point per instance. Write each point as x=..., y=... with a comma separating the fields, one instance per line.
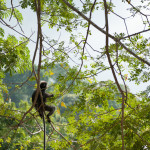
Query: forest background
x=94, y=54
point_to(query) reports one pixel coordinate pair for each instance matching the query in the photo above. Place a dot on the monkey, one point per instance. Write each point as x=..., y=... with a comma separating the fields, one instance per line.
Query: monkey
x=38, y=105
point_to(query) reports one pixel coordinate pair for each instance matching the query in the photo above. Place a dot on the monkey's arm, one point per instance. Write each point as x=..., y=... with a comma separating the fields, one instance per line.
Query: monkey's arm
x=48, y=95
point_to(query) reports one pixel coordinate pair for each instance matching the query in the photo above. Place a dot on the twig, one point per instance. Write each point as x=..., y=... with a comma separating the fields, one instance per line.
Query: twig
x=109, y=35
x=13, y=11
x=59, y=133
x=134, y=34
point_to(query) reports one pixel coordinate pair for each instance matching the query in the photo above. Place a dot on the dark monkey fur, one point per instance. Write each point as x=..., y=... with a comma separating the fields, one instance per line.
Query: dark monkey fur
x=38, y=105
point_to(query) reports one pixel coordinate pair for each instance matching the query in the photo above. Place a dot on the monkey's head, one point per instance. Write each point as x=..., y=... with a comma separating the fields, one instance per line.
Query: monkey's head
x=43, y=85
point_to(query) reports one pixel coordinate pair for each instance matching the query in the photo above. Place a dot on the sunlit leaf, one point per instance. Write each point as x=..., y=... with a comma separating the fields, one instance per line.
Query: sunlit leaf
x=58, y=111
x=8, y=140
x=126, y=77
x=90, y=80
x=51, y=73
x=63, y=104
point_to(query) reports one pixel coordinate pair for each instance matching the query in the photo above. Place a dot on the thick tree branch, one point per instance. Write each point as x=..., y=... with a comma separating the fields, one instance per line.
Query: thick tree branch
x=113, y=72
x=103, y=31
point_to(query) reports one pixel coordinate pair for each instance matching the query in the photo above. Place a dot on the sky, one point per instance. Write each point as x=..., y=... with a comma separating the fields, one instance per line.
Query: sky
x=97, y=39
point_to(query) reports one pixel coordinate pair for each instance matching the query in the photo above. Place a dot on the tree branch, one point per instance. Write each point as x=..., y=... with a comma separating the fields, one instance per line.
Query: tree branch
x=103, y=31
x=113, y=72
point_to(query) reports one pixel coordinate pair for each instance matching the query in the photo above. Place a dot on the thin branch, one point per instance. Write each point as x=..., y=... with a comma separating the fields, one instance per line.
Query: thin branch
x=7, y=25
x=128, y=36
x=13, y=11
x=61, y=135
x=30, y=131
x=82, y=48
x=113, y=72
x=146, y=16
x=109, y=35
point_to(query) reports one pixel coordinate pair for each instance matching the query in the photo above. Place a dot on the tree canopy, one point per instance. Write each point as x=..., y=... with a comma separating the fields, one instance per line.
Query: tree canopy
x=89, y=52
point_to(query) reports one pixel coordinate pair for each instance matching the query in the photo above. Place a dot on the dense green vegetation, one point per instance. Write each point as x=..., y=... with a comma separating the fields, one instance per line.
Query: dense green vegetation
x=91, y=113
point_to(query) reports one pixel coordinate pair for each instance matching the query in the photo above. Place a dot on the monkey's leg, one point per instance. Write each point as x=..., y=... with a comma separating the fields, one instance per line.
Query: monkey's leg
x=51, y=110
x=40, y=111
x=41, y=114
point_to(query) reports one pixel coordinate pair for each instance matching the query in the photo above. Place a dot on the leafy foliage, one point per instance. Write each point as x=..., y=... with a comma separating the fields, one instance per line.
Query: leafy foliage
x=92, y=112
x=14, y=53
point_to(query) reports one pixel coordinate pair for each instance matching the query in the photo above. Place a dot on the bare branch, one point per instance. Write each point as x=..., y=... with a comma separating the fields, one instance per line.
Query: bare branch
x=109, y=35
x=113, y=72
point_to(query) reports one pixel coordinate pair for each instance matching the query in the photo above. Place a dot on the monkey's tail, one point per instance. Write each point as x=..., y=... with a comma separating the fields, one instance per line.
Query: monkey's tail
x=44, y=132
